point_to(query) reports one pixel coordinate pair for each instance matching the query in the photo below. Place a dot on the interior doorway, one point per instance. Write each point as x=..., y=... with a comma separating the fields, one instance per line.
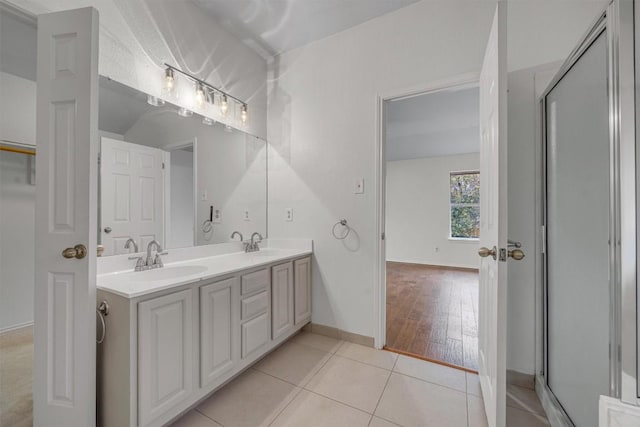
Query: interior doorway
x=432, y=222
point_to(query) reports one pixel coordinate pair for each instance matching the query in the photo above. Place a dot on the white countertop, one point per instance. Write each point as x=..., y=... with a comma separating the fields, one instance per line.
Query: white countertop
x=130, y=284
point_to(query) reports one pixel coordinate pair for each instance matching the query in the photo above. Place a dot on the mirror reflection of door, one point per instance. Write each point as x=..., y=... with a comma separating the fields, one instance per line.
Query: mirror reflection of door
x=132, y=195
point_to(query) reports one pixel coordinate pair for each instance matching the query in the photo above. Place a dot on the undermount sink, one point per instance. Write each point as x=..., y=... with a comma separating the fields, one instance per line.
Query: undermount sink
x=167, y=273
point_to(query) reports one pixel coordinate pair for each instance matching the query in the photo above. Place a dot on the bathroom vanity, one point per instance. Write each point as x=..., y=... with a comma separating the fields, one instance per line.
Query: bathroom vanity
x=176, y=334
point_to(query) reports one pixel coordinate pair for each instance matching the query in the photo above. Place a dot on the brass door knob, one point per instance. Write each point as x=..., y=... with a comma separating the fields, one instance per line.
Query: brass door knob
x=78, y=252
x=516, y=254
x=485, y=252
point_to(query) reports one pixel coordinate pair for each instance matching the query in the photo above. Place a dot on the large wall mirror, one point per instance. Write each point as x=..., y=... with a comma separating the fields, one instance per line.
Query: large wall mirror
x=170, y=175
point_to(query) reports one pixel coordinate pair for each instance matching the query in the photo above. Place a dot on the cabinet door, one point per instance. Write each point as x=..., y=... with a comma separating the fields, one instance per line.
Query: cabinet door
x=218, y=337
x=165, y=353
x=302, y=290
x=255, y=334
x=281, y=299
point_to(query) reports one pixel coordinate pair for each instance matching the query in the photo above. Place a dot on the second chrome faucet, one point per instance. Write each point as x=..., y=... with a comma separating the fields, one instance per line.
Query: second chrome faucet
x=252, y=245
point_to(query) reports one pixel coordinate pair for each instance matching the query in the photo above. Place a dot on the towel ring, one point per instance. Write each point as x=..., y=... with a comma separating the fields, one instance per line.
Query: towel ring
x=342, y=222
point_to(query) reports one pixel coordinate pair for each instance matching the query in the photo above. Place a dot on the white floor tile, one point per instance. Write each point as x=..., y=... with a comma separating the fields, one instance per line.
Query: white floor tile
x=475, y=408
x=253, y=399
x=321, y=342
x=371, y=356
x=195, y=419
x=293, y=363
x=432, y=372
x=519, y=418
x=524, y=398
x=412, y=402
x=353, y=383
x=379, y=422
x=311, y=410
x=473, y=384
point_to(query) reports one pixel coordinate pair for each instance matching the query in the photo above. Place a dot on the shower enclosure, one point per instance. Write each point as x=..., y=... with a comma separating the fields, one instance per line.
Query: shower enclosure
x=589, y=298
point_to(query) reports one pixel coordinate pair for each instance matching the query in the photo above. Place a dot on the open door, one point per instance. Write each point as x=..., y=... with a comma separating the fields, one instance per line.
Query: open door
x=492, y=332
x=64, y=386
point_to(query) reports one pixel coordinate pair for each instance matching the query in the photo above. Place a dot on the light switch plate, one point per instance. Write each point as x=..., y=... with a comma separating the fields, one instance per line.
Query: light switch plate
x=288, y=214
x=203, y=195
x=217, y=216
x=246, y=216
x=359, y=186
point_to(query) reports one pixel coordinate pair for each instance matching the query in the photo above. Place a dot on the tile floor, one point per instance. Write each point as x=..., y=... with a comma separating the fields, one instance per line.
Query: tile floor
x=313, y=380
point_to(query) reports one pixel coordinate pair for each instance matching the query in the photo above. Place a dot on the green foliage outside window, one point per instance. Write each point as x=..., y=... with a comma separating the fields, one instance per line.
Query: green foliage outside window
x=465, y=205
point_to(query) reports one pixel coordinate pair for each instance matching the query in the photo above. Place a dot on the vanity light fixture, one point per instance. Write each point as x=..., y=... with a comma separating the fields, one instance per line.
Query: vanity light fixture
x=224, y=105
x=207, y=121
x=205, y=93
x=201, y=96
x=243, y=114
x=169, y=80
x=155, y=101
x=183, y=112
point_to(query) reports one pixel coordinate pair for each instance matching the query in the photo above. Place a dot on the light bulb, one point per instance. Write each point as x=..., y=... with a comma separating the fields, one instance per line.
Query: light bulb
x=183, y=112
x=169, y=80
x=201, y=97
x=207, y=121
x=154, y=100
x=224, y=105
x=243, y=114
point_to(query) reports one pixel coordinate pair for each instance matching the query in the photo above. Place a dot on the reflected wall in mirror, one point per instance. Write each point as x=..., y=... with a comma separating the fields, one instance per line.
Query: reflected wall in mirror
x=169, y=175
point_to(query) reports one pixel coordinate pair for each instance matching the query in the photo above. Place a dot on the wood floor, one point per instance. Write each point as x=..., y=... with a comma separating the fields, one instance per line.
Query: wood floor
x=433, y=312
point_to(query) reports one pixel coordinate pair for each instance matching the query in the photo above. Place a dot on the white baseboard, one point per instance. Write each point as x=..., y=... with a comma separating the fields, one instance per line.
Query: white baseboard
x=614, y=413
x=14, y=327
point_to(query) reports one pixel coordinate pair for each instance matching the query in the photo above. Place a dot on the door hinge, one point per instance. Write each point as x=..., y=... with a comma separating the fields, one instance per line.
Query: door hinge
x=543, y=238
x=99, y=158
x=162, y=165
x=382, y=236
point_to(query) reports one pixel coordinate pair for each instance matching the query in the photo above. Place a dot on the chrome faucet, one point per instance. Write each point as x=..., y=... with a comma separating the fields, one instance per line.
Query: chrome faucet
x=157, y=261
x=130, y=242
x=252, y=246
x=237, y=233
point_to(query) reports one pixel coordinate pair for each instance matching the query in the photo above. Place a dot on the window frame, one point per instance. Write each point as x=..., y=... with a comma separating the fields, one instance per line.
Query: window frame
x=461, y=205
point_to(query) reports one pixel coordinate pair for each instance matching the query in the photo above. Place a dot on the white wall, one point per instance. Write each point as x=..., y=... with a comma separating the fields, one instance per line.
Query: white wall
x=17, y=109
x=322, y=124
x=138, y=36
x=181, y=194
x=417, y=212
x=17, y=237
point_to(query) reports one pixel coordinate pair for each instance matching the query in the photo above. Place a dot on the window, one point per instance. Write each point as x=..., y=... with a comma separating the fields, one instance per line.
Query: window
x=464, y=205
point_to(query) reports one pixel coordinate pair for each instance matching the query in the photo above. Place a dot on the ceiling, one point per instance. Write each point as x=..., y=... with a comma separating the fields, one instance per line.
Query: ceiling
x=436, y=124
x=272, y=27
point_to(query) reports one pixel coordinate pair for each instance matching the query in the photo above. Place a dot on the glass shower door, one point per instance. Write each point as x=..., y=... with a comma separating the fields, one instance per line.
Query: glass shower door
x=578, y=182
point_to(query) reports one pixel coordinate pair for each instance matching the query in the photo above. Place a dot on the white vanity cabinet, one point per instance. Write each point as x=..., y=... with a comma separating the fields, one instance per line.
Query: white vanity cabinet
x=167, y=350
x=302, y=291
x=218, y=330
x=282, y=299
x=166, y=326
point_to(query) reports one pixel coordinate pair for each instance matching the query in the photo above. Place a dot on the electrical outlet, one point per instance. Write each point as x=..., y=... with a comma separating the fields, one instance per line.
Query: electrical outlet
x=203, y=195
x=359, y=186
x=288, y=214
x=246, y=216
x=217, y=216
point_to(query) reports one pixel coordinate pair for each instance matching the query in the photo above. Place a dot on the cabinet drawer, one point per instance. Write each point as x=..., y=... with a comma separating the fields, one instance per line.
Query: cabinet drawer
x=255, y=281
x=255, y=334
x=254, y=305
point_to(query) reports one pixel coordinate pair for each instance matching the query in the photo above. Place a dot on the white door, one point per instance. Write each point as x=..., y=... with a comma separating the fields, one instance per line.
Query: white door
x=64, y=385
x=132, y=195
x=493, y=222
